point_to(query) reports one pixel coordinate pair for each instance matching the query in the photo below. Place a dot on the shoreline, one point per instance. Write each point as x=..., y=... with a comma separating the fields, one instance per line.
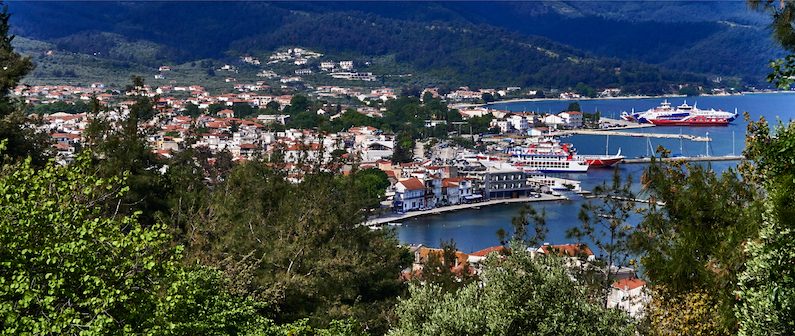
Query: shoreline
x=524, y=100
x=392, y=218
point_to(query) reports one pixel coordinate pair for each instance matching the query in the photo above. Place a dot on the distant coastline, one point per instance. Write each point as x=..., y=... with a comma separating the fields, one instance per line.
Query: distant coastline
x=521, y=100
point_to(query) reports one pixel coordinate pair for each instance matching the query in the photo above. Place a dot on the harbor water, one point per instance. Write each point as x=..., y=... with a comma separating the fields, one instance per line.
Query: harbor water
x=475, y=229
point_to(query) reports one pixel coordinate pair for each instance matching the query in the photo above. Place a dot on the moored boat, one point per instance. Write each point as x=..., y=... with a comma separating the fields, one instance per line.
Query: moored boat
x=682, y=115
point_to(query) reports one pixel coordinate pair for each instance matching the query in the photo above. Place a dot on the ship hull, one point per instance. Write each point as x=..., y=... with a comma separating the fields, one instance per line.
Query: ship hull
x=695, y=121
x=603, y=162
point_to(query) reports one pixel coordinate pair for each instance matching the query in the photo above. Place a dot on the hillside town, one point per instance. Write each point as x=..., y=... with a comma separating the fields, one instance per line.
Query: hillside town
x=448, y=176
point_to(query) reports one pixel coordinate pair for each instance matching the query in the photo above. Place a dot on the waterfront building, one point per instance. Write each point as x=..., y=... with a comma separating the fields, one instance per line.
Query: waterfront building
x=409, y=195
x=571, y=119
x=499, y=180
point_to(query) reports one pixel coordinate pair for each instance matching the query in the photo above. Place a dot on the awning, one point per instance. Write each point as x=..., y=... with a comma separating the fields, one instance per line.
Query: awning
x=472, y=197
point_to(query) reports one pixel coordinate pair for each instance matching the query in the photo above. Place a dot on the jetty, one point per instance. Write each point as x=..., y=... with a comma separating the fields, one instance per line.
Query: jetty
x=703, y=158
x=634, y=134
x=435, y=211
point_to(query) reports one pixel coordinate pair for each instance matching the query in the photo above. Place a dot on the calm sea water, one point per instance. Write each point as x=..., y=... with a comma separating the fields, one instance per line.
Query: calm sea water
x=473, y=230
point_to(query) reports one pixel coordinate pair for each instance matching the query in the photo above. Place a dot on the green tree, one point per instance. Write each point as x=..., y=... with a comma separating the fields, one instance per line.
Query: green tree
x=272, y=105
x=68, y=268
x=244, y=110
x=299, y=103
x=585, y=90
x=372, y=183
x=573, y=106
x=315, y=260
x=65, y=267
x=445, y=270
x=192, y=110
x=605, y=223
x=519, y=295
x=767, y=285
x=404, y=148
x=782, y=13
x=119, y=147
x=694, y=243
x=480, y=124
x=22, y=141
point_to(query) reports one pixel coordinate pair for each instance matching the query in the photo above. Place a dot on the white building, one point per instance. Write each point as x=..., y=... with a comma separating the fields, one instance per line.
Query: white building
x=629, y=295
x=327, y=66
x=519, y=123
x=571, y=118
x=346, y=65
x=554, y=121
x=502, y=124
x=409, y=195
x=377, y=148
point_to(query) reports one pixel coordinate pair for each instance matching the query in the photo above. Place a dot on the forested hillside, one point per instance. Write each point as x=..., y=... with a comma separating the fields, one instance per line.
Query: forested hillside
x=544, y=44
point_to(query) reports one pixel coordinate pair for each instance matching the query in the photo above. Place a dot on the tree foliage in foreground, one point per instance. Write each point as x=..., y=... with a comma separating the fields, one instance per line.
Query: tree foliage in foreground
x=767, y=285
x=23, y=141
x=67, y=268
x=782, y=13
x=694, y=243
x=303, y=243
x=519, y=295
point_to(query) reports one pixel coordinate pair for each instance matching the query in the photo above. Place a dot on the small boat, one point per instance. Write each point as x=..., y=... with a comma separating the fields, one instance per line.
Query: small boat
x=395, y=224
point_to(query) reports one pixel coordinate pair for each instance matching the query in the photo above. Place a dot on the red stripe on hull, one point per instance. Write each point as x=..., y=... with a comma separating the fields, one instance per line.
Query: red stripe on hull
x=603, y=163
x=690, y=122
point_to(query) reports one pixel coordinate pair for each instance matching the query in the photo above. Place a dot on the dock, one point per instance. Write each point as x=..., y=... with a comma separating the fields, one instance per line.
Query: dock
x=634, y=134
x=688, y=159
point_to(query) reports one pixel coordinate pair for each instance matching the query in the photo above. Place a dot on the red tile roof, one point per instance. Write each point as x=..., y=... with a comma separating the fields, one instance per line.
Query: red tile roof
x=570, y=250
x=629, y=283
x=486, y=251
x=412, y=184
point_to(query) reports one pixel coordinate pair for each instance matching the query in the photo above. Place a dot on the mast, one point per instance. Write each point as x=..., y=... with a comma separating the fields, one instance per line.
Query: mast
x=607, y=145
x=733, y=143
x=707, y=143
x=681, y=152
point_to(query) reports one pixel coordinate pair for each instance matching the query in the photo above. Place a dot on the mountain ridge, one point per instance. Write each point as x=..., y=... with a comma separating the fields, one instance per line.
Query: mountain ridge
x=181, y=32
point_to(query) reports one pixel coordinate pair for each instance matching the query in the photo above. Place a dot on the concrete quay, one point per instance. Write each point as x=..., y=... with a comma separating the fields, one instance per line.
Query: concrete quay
x=633, y=134
x=397, y=218
x=688, y=159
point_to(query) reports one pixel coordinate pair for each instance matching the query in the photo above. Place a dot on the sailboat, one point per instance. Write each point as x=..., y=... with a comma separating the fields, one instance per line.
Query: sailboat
x=603, y=161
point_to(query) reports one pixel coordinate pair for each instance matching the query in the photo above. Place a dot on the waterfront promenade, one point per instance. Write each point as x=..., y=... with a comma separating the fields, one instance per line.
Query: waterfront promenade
x=397, y=217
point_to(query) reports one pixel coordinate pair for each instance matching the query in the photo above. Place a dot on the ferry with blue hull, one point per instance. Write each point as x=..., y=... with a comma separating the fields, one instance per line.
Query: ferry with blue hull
x=682, y=115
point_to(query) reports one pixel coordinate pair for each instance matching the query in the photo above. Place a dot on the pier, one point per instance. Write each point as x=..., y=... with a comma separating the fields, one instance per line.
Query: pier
x=634, y=134
x=687, y=159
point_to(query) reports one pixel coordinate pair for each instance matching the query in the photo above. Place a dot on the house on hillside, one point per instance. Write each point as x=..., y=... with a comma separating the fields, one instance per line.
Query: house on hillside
x=629, y=295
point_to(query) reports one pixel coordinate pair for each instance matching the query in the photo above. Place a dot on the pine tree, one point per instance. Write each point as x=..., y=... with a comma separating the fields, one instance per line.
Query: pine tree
x=22, y=141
